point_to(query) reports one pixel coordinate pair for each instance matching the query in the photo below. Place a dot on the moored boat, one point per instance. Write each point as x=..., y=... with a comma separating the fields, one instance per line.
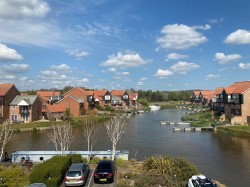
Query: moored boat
x=155, y=107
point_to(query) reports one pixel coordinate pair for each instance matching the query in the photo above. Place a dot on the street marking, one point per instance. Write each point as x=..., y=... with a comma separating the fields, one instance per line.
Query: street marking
x=92, y=174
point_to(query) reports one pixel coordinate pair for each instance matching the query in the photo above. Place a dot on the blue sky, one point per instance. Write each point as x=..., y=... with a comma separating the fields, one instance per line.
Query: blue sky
x=123, y=44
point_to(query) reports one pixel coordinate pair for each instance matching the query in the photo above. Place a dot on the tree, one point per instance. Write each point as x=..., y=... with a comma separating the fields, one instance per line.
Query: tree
x=61, y=136
x=89, y=133
x=6, y=134
x=115, y=127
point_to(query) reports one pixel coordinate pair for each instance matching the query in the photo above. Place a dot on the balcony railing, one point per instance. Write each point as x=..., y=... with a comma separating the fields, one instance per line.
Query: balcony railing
x=23, y=111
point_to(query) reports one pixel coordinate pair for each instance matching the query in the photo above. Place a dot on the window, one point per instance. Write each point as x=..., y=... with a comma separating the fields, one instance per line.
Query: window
x=107, y=97
x=125, y=96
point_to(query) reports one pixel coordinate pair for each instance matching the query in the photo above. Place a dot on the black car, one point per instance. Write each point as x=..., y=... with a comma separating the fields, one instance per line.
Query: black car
x=104, y=172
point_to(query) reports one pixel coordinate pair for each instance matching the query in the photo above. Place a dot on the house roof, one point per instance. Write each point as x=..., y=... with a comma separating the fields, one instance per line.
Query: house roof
x=197, y=93
x=133, y=96
x=43, y=93
x=23, y=100
x=218, y=90
x=207, y=94
x=72, y=97
x=81, y=90
x=239, y=87
x=61, y=107
x=4, y=88
x=118, y=92
x=98, y=93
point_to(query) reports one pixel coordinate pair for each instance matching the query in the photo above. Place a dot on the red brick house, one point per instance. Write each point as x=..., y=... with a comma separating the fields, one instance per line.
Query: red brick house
x=7, y=93
x=49, y=97
x=25, y=108
x=82, y=95
x=102, y=98
x=75, y=105
x=55, y=112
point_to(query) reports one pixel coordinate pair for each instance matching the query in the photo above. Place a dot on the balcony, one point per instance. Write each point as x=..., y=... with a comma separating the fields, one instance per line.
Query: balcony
x=23, y=111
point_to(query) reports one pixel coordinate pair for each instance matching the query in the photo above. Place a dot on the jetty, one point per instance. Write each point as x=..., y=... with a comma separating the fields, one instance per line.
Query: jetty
x=41, y=156
x=173, y=123
x=194, y=129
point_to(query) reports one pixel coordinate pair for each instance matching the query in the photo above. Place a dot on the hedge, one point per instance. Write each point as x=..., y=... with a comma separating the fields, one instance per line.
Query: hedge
x=52, y=171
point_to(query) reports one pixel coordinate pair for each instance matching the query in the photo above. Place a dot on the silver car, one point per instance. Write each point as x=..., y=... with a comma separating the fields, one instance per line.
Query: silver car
x=77, y=175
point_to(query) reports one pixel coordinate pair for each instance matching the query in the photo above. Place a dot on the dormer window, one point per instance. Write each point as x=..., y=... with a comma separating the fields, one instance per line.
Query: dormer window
x=107, y=98
x=125, y=96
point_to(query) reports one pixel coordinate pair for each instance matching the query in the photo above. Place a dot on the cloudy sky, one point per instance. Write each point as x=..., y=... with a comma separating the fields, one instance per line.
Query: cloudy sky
x=111, y=44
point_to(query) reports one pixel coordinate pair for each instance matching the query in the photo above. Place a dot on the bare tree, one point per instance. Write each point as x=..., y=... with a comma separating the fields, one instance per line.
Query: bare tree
x=61, y=136
x=6, y=134
x=115, y=127
x=90, y=133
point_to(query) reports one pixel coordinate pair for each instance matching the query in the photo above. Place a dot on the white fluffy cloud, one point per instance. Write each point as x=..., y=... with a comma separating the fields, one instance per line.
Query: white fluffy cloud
x=8, y=54
x=164, y=73
x=124, y=73
x=244, y=65
x=238, y=37
x=15, y=68
x=23, y=8
x=180, y=37
x=62, y=68
x=223, y=59
x=212, y=76
x=183, y=67
x=78, y=54
x=175, y=56
x=112, y=70
x=121, y=60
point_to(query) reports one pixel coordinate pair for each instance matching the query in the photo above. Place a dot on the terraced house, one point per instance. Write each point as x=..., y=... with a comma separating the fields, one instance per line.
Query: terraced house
x=233, y=102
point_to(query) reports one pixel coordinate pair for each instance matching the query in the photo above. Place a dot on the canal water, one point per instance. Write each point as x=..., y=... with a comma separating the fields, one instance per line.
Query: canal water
x=221, y=157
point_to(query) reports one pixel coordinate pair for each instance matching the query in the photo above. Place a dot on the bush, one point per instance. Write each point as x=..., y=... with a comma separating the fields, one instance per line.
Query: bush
x=94, y=160
x=174, y=171
x=52, y=171
x=76, y=158
x=14, y=176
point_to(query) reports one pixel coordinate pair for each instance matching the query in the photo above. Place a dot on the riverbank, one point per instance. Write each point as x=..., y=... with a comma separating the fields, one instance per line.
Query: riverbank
x=237, y=131
x=45, y=124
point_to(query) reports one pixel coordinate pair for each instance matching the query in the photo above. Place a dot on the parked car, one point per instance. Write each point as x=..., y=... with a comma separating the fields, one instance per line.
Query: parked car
x=104, y=172
x=77, y=175
x=200, y=181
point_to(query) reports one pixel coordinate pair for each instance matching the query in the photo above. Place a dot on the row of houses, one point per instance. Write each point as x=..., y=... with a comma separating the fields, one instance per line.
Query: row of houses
x=232, y=103
x=51, y=105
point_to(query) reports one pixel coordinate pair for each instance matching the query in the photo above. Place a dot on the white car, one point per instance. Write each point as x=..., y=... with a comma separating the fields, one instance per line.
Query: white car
x=200, y=181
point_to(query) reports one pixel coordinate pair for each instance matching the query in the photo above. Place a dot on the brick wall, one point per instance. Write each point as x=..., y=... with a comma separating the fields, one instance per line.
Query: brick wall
x=9, y=96
x=80, y=95
x=74, y=106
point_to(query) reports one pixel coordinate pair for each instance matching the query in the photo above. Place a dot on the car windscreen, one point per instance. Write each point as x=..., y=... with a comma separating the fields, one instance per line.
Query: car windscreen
x=74, y=173
x=104, y=167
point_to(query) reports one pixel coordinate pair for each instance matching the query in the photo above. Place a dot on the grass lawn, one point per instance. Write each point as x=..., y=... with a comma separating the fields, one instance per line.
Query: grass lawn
x=239, y=131
x=77, y=121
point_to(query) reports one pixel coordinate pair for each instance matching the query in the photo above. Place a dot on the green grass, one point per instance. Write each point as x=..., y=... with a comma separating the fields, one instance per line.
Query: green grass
x=238, y=131
x=77, y=121
x=202, y=119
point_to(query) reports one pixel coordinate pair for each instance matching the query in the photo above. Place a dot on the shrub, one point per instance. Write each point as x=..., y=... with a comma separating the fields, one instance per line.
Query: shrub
x=174, y=171
x=94, y=160
x=52, y=171
x=14, y=176
x=76, y=158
